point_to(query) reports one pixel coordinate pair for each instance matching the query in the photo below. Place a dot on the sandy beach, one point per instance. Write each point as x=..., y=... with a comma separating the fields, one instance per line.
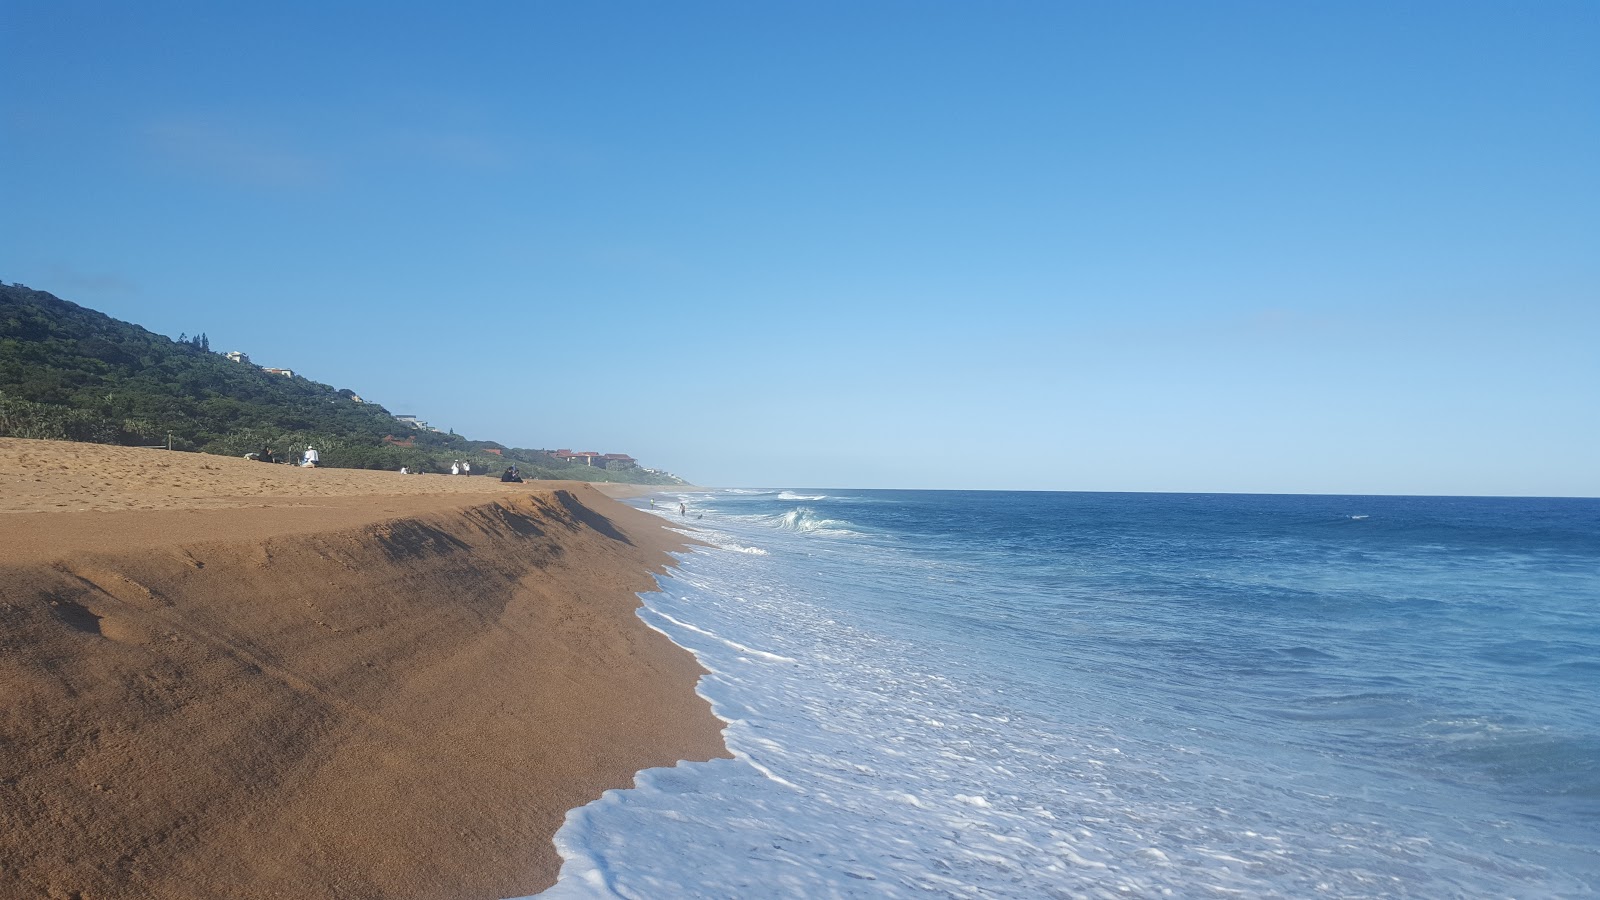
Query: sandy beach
x=227, y=678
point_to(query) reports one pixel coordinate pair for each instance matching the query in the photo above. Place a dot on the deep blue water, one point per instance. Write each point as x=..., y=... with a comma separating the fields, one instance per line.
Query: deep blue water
x=1054, y=694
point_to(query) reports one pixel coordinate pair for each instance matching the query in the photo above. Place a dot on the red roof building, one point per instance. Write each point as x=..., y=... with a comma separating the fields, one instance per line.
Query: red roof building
x=591, y=458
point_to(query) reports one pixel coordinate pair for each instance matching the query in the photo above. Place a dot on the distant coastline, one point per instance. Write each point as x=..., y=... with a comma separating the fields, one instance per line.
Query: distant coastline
x=74, y=373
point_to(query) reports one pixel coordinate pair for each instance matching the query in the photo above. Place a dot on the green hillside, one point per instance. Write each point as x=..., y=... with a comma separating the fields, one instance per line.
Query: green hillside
x=71, y=373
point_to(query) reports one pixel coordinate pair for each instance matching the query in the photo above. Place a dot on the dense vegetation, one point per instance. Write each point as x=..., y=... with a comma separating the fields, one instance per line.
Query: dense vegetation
x=71, y=373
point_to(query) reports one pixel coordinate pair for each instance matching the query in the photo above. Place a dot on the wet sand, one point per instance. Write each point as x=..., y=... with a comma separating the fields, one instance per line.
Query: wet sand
x=228, y=678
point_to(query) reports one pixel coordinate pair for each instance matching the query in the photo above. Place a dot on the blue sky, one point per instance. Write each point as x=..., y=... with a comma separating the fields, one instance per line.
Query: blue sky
x=1283, y=247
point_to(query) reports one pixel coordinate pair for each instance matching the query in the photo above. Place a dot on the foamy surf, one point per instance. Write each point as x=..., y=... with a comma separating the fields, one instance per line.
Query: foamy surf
x=1108, y=717
x=741, y=648
x=734, y=547
x=804, y=520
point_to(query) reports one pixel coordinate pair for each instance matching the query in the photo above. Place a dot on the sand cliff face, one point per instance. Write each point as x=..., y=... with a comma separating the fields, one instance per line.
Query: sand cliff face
x=401, y=702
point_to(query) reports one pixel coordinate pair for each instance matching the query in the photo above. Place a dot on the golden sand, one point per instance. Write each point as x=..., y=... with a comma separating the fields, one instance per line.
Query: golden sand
x=222, y=678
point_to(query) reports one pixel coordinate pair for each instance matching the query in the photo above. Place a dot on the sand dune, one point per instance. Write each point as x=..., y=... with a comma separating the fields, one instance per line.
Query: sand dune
x=226, y=678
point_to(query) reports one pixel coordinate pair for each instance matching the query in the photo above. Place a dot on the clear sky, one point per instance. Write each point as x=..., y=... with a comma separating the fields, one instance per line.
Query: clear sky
x=1283, y=247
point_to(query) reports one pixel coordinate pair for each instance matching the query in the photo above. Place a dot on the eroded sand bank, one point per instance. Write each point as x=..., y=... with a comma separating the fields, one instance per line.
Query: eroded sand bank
x=225, y=678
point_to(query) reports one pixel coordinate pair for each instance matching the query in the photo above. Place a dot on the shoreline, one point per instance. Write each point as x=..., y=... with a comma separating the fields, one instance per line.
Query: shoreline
x=228, y=680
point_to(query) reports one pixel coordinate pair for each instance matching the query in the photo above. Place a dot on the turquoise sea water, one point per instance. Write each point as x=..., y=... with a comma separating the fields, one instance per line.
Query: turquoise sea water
x=985, y=694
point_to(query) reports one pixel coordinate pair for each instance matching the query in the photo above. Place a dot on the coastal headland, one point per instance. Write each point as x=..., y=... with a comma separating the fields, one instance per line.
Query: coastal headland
x=223, y=678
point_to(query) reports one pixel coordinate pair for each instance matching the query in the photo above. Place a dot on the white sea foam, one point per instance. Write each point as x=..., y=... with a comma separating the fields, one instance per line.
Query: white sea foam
x=732, y=546
x=751, y=651
x=868, y=765
x=791, y=495
x=804, y=520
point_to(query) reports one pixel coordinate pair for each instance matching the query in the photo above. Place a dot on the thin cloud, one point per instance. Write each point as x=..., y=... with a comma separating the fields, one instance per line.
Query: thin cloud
x=234, y=154
x=1280, y=321
x=636, y=258
x=477, y=151
x=468, y=151
x=68, y=278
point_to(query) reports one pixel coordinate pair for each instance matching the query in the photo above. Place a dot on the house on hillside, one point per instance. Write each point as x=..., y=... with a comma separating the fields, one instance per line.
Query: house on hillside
x=238, y=357
x=413, y=421
x=598, y=460
x=287, y=373
x=585, y=457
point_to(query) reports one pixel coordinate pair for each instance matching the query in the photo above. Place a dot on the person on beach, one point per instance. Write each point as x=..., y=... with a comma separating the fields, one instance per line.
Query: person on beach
x=682, y=509
x=403, y=471
x=455, y=467
x=466, y=468
x=511, y=475
x=266, y=454
x=312, y=457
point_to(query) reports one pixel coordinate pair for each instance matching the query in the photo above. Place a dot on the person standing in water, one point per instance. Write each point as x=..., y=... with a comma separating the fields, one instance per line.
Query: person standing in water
x=682, y=509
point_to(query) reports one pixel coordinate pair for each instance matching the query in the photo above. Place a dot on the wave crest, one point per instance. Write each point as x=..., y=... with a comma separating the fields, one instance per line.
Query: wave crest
x=804, y=520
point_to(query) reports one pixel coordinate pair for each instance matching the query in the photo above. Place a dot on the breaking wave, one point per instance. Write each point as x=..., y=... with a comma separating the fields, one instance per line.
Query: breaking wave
x=736, y=548
x=804, y=520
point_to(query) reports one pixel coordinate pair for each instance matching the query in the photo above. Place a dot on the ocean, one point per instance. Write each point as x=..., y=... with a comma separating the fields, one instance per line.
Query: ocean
x=1021, y=694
